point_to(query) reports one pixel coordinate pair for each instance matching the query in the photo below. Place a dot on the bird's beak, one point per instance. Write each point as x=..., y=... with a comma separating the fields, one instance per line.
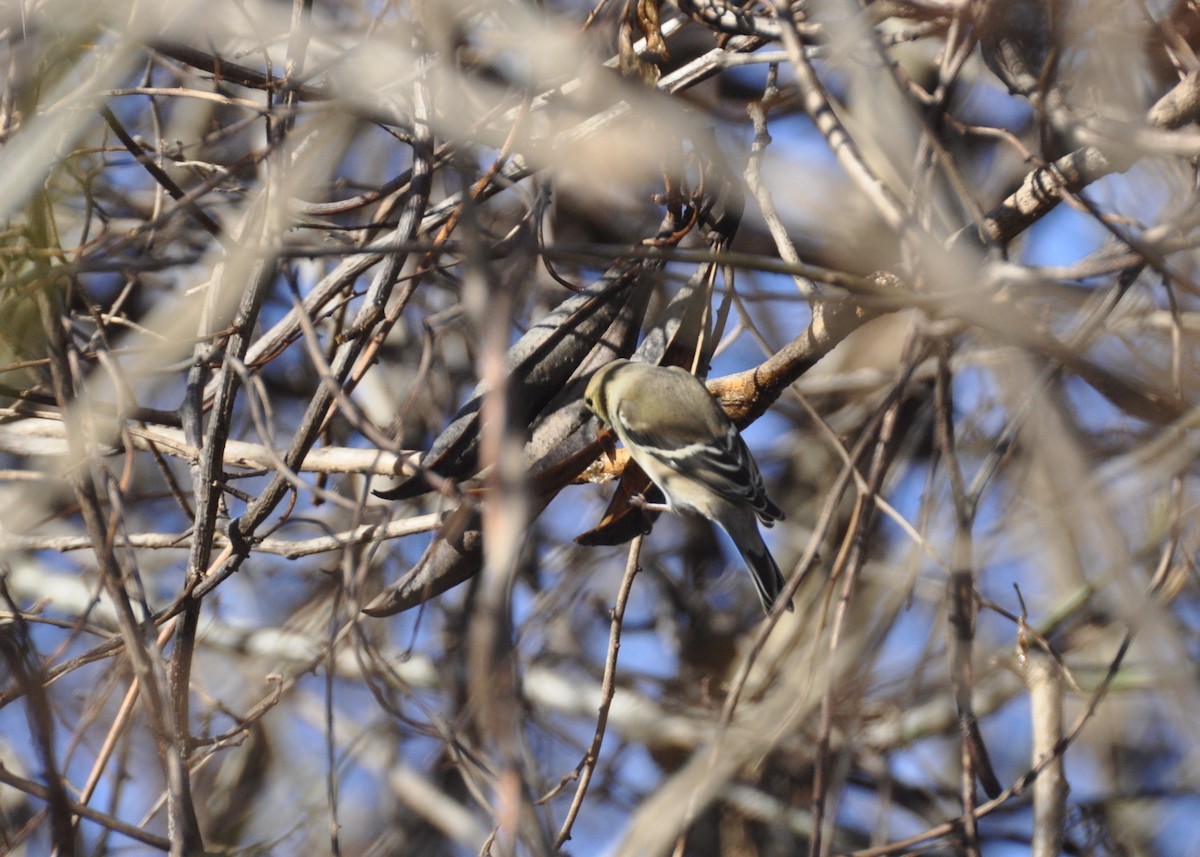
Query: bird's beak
x=608, y=443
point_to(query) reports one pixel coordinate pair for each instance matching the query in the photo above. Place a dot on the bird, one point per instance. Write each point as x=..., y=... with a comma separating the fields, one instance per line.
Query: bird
x=680, y=436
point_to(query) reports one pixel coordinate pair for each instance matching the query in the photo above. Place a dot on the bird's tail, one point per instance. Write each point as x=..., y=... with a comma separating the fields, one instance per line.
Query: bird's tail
x=768, y=580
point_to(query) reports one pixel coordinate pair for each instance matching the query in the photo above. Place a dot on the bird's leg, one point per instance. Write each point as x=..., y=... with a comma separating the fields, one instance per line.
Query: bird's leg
x=639, y=501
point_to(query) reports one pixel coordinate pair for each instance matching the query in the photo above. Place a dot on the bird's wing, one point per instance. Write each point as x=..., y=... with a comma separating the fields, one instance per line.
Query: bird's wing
x=717, y=457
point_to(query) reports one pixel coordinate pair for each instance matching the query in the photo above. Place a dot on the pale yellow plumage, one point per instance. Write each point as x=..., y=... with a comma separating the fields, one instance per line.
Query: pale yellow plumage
x=691, y=450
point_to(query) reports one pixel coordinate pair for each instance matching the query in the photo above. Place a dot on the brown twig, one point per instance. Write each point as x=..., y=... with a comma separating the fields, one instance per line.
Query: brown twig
x=608, y=688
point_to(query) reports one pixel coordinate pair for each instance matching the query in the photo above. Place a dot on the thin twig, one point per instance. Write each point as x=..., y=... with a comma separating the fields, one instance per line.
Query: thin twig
x=608, y=689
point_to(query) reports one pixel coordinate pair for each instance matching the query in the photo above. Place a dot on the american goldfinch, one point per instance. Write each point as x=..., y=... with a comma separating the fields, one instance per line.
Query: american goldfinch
x=692, y=451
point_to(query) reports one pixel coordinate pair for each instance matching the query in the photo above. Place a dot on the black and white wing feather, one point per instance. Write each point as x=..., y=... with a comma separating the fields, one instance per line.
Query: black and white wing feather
x=708, y=450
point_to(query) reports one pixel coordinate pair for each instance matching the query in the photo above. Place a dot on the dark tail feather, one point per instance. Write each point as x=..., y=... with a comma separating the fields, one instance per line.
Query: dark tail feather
x=768, y=580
